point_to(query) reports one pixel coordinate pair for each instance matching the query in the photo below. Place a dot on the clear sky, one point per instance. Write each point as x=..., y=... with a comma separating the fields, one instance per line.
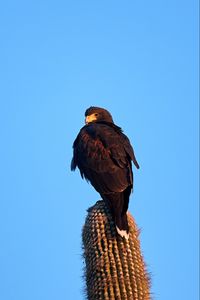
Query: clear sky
x=138, y=59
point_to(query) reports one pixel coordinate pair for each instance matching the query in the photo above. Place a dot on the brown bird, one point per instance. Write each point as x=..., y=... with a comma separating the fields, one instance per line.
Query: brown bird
x=103, y=155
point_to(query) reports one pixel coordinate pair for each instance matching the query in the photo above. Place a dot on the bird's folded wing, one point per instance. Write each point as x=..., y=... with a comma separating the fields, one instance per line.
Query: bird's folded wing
x=100, y=154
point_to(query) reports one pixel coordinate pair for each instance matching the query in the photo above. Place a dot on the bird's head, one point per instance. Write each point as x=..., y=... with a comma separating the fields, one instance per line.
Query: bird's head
x=96, y=114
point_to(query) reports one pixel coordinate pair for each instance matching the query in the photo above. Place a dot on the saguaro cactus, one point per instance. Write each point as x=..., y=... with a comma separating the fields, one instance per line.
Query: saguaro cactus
x=114, y=267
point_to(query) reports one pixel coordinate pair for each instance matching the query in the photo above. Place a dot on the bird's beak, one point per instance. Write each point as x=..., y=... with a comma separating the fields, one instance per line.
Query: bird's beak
x=87, y=120
x=90, y=118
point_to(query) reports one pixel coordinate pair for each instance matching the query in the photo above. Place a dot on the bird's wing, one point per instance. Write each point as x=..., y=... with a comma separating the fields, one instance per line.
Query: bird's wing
x=101, y=155
x=129, y=150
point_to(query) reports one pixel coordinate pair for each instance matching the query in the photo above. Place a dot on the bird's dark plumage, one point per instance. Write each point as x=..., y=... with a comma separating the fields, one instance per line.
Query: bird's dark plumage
x=103, y=155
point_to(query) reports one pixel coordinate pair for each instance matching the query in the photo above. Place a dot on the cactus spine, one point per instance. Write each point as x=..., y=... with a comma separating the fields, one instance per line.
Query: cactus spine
x=115, y=269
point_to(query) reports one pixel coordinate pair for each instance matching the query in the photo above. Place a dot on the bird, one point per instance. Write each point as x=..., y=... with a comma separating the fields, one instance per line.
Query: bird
x=104, y=156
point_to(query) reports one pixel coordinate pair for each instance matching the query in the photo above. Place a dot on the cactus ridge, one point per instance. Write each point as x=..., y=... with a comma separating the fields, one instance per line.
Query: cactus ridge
x=115, y=269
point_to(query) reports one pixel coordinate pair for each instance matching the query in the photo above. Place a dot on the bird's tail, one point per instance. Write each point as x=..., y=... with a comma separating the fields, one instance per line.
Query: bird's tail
x=118, y=204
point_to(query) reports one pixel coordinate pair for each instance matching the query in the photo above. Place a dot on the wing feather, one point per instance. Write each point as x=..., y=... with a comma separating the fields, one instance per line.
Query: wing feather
x=103, y=156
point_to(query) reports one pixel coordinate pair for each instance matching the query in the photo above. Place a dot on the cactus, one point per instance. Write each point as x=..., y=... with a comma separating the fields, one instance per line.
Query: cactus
x=114, y=266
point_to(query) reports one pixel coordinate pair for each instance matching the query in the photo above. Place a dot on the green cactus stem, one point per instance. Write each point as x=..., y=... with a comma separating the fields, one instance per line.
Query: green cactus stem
x=114, y=266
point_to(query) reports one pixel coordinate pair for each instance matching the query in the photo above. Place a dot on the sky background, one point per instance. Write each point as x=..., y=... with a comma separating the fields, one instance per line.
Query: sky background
x=138, y=59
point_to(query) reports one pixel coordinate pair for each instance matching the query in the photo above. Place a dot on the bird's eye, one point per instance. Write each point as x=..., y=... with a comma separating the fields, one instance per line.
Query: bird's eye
x=96, y=115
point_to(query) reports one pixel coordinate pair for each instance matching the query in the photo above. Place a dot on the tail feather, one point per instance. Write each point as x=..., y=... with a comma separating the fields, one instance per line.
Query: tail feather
x=118, y=204
x=122, y=233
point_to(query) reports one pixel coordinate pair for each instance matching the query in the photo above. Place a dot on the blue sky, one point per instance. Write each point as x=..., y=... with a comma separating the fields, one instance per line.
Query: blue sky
x=140, y=61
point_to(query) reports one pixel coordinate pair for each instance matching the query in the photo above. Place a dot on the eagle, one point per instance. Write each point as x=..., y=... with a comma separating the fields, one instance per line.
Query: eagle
x=104, y=156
